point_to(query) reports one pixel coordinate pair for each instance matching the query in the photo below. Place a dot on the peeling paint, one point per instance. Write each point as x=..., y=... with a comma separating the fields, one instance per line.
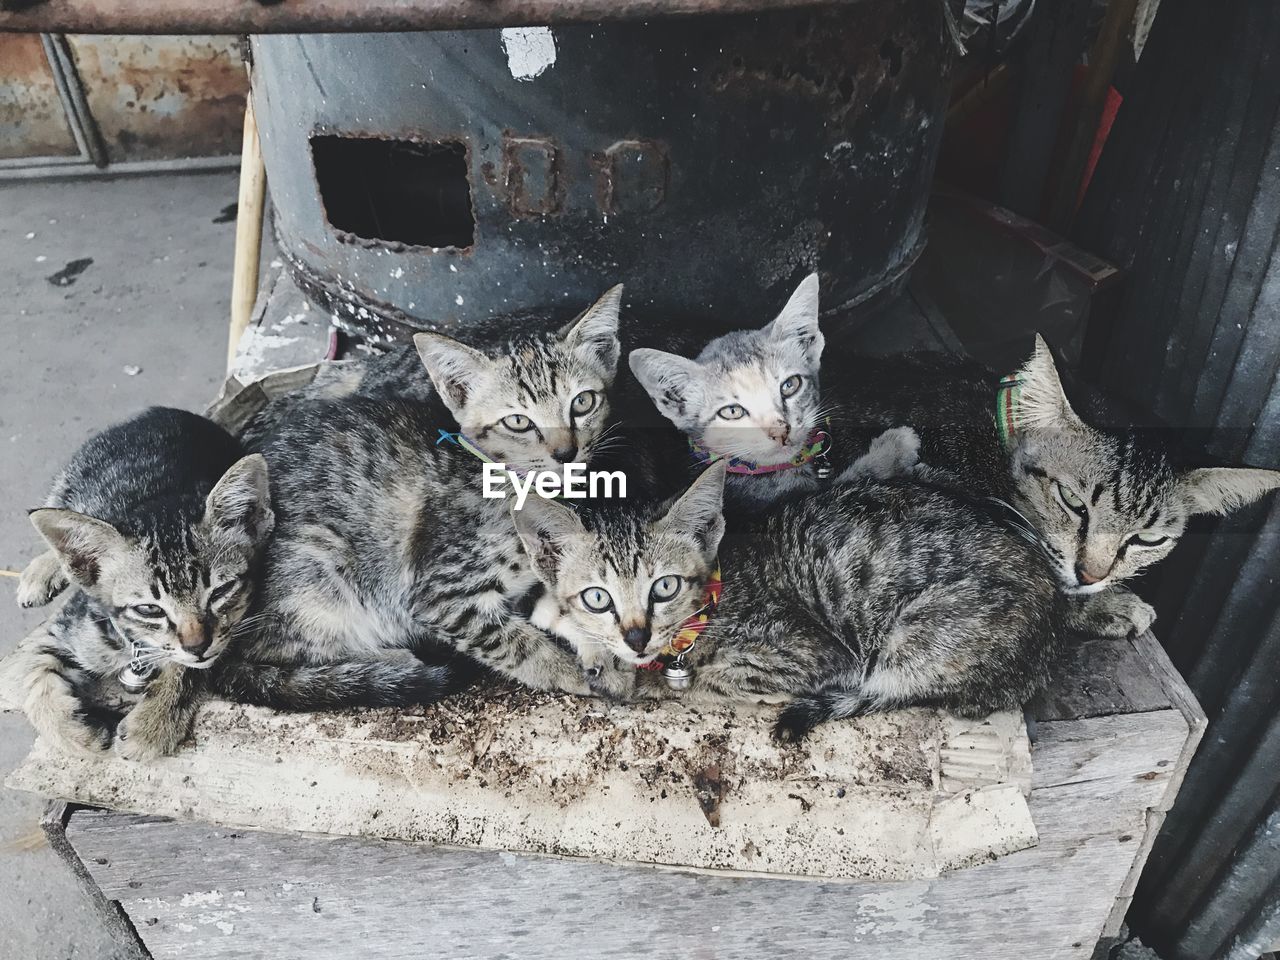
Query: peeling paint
x=530, y=51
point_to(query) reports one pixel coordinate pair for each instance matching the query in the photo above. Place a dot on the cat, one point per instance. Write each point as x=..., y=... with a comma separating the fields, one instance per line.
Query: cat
x=740, y=398
x=872, y=596
x=752, y=398
x=157, y=523
x=387, y=560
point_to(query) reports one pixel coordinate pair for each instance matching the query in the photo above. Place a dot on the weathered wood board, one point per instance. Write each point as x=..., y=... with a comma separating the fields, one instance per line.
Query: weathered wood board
x=898, y=796
x=195, y=890
x=1112, y=745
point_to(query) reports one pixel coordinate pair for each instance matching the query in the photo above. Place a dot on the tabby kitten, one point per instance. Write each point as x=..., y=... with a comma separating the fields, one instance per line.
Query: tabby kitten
x=871, y=597
x=157, y=522
x=534, y=399
x=386, y=558
x=750, y=398
x=1106, y=501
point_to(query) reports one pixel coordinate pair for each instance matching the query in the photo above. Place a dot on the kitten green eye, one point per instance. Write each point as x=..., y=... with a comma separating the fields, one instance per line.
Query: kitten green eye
x=731, y=412
x=223, y=590
x=1069, y=498
x=517, y=423
x=596, y=600
x=583, y=403
x=665, y=588
x=791, y=385
x=1148, y=539
x=148, y=610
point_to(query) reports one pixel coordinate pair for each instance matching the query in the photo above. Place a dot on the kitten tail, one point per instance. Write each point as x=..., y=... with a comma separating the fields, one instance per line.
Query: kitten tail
x=336, y=686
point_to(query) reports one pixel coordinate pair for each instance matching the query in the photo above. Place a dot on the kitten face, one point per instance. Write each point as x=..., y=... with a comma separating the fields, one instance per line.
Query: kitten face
x=545, y=402
x=626, y=581
x=177, y=589
x=1106, y=504
x=751, y=394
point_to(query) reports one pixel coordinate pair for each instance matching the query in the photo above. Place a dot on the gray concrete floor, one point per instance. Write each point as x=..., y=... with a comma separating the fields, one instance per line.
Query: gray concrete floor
x=144, y=323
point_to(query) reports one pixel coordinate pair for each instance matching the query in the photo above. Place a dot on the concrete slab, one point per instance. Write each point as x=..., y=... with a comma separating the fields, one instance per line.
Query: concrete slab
x=86, y=344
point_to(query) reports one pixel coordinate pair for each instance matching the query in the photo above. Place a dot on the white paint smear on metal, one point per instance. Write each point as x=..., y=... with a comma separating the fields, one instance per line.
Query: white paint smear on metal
x=530, y=50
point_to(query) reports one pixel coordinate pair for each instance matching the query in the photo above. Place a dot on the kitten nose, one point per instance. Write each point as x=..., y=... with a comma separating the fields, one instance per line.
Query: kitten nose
x=1085, y=577
x=637, y=638
x=195, y=638
x=779, y=433
x=564, y=454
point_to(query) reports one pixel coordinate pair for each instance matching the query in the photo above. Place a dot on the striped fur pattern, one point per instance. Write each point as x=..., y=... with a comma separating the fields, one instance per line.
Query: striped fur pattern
x=1105, y=499
x=874, y=596
x=534, y=398
x=387, y=564
x=157, y=523
x=750, y=394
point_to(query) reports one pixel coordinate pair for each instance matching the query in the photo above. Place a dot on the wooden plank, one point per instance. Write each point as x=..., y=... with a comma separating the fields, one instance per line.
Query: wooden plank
x=199, y=890
x=114, y=920
x=899, y=795
x=1097, y=676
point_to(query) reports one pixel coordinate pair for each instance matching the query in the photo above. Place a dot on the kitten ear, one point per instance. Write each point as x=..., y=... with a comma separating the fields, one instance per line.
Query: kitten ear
x=595, y=333
x=240, y=503
x=700, y=510
x=81, y=543
x=1041, y=400
x=674, y=383
x=1223, y=489
x=798, y=321
x=545, y=527
x=454, y=368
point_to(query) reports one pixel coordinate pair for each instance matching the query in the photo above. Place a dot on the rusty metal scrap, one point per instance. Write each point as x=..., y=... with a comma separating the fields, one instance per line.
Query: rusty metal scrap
x=330, y=16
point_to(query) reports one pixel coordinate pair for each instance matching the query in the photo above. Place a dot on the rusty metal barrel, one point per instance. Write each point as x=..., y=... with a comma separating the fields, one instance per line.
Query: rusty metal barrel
x=710, y=161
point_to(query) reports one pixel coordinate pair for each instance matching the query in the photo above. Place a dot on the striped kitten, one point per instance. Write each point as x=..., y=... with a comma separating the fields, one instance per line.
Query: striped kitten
x=386, y=555
x=156, y=522
x=871, y=597
x=535, y=398
x=1106, y=500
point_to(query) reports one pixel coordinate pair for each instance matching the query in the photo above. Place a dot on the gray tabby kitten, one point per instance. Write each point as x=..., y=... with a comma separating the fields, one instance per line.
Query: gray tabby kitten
x=1106, y=501
x=157, y=523
x=750, y=397
x=385, y=550
x=872, y=597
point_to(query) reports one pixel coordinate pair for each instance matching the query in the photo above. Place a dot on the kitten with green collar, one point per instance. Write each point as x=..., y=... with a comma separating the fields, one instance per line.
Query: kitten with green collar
x=1105, y=500
x=157, y=524
x=873, y=596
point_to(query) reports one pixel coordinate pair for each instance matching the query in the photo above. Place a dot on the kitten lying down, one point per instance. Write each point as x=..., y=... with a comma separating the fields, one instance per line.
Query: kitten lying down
x=157, y=523
x=873, y=596
x=1106, y=500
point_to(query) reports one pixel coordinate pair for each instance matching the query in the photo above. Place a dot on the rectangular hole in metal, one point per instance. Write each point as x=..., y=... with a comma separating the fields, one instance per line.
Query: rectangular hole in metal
x=396, y=190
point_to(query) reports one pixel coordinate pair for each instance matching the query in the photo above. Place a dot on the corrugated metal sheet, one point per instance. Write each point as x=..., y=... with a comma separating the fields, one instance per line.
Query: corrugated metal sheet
x=1187, y=195
x=32, y=121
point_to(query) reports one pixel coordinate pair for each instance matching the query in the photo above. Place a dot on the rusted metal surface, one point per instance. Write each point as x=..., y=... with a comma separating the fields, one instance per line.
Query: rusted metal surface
x=321, y=16
x=32, y=121
x=163, y=97
x=709, y=162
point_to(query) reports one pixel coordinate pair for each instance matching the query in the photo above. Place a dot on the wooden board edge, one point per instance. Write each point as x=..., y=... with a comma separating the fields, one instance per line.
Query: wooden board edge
x=117, y=922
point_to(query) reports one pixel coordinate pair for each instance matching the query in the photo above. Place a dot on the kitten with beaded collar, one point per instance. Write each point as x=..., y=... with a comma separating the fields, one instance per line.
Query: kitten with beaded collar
x=874, y=596
x=156, y=523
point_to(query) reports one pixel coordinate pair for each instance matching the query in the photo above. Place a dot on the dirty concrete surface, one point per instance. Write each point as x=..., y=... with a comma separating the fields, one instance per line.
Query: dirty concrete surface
x=113, y=295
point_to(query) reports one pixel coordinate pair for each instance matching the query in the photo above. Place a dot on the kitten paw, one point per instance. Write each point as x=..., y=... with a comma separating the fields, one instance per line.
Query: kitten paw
x=145, y=735
x=613, y=681
x=41, y=581
x=894, y=453
x=1117, y=612
x=797, y=720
